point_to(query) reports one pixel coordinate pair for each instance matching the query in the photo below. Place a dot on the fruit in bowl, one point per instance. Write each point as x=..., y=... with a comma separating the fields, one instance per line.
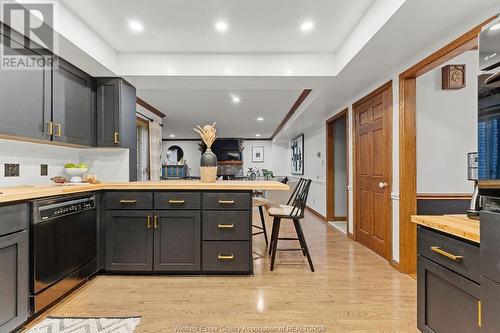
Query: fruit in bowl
x=76, y=171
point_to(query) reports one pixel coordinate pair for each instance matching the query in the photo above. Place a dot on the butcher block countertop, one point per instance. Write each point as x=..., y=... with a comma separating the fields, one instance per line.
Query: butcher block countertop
x=20, y=193
x=456, y=225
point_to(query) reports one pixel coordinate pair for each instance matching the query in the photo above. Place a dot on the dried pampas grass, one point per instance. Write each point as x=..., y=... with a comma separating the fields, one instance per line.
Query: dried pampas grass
x=207, y=134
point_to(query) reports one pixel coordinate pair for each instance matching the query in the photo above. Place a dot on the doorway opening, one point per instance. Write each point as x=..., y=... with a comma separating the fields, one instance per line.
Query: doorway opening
x=338, y=171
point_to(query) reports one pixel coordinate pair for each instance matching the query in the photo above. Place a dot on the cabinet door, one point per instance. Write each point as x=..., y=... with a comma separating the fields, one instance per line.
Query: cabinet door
x=177, y=241
x=129, y=240
x=73, y=114
x=446, y=302
x=25, y=94
x=14, y=280
x=108, y=113
x=490, y=305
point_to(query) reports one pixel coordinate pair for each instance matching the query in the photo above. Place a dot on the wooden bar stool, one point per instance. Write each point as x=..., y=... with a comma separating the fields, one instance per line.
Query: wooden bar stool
x=261, y=202
x=293, y=210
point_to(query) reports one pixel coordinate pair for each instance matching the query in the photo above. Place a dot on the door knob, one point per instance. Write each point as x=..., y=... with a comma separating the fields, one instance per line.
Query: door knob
x=382, y=184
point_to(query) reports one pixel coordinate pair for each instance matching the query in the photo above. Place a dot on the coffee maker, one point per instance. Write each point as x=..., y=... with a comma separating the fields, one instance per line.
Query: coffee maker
x=472, y=175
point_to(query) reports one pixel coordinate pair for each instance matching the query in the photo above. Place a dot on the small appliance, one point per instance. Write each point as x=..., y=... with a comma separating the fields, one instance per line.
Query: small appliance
x=472, y=175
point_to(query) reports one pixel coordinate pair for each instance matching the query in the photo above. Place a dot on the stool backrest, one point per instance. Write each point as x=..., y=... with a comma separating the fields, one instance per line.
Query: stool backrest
x=298, y=199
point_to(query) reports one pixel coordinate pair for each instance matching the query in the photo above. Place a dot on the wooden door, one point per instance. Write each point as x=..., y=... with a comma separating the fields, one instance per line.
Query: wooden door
x=177, y=241
x=373, y=171
x=129, y=240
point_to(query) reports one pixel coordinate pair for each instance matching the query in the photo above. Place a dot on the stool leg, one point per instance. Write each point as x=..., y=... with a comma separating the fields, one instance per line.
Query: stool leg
x=263, y=221
x=272, y=236
x=274, y=241
x=302, y=245
x=303, y=241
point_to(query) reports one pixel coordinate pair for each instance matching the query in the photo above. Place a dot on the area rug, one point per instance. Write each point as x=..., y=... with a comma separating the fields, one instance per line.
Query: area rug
x=86, y=325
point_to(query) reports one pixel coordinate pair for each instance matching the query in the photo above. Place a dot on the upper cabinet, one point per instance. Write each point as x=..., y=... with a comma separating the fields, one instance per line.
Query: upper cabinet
x=25, y=109
x=116, y=117
x=73, y=110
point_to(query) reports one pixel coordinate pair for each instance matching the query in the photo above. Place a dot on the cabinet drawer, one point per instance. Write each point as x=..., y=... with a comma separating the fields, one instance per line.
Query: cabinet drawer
x=13, y=218
x=438, y=248
x=227, y=201
x=226, y=225
x=177, y=200
x=129, y=200
x=226, y=256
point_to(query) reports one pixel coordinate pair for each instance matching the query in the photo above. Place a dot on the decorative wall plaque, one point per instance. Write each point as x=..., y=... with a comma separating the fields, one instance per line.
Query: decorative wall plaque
x=453, y=77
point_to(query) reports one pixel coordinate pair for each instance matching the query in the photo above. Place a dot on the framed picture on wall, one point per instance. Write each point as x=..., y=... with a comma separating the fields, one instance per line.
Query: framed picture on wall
x=297, y=153
x=258, y=154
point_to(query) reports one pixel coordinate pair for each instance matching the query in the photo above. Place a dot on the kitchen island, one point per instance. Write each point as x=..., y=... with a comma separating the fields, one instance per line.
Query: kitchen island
x=166, y=227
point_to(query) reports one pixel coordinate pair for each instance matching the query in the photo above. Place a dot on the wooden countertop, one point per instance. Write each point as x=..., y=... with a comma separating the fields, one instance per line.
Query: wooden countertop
x=20, y=193
x=456, y=225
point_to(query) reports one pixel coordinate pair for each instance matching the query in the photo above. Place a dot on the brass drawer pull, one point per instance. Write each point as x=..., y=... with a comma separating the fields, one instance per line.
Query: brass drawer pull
x=128, y=201
x=446, y=254
x=224, y=257
x=156, y=222
x=479, y=314
x=226, y=202
x=116, y=138
x=176, y=202
x=149, y=222
x=226, y=226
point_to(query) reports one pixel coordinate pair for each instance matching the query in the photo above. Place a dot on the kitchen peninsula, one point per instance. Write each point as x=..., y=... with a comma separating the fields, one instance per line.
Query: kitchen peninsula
x=74, y=232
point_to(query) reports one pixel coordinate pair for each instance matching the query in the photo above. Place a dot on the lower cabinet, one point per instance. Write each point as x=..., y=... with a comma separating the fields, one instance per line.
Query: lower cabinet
x=448, y=290
x=490, y=305
x=129, y=240
x=177, y=241
x=14, y=280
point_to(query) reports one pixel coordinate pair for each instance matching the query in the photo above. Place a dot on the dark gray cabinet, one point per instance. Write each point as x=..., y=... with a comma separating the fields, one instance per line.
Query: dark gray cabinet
x=129, y=240
x=177, y=241
x=25, y=109
x=490, y=305
x=448, y=290
x=116, y=117
x=73, y=110
x=14, y=270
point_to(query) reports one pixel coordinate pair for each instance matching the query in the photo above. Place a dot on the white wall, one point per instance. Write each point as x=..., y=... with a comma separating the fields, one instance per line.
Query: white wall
x=446, y=129
x=340, y=168
x=268, y=154
x=109, y=164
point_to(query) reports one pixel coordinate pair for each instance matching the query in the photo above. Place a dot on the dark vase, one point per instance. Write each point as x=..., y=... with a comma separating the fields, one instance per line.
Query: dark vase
x=208, y=166
x=208, y=159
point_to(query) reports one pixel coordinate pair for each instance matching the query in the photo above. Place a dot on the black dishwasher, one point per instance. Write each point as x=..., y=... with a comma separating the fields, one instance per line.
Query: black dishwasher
x=63, y=250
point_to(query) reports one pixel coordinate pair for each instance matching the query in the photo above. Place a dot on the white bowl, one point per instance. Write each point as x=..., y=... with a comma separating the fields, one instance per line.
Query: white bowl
x=76, y=174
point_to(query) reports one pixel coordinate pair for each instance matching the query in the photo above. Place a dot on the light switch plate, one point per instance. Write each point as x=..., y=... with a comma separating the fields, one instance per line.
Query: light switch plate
x=11, y=170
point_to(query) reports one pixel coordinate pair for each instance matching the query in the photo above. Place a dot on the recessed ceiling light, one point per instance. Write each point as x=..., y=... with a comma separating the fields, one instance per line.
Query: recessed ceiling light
x=495, y=27
x=135, y=26
x=235, y=99
x=307, y=26
x=257, y=135
x=221, y=26
x=172, y=135
x=260, y=119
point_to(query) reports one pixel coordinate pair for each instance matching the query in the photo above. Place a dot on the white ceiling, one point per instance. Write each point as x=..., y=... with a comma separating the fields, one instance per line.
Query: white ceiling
x=187, y=108
x=256, y=26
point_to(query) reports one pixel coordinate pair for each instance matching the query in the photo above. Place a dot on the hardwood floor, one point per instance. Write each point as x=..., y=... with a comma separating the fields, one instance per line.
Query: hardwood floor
x=352, y=290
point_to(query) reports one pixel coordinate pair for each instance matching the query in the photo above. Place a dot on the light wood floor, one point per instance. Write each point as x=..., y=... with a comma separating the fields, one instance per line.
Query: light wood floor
x=352, y=290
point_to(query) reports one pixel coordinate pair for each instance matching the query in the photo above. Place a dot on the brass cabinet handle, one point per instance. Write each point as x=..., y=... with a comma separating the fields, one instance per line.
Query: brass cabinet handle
x=116, y=138
x=226, y=226
x=149, y=222
x=226, y=202
x=479, y=314
x=446, y=254
x=178, y=202
x=156, y=222
x=50, y=128
x=128, y=201
x=59, y=131
x=225, y=257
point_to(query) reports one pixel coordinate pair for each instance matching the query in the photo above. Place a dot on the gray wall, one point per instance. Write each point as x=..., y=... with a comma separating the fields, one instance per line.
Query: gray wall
x=340, y=168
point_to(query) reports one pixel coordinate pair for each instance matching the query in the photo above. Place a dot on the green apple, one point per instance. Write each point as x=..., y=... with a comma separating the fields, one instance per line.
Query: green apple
x=82, y=166
x=70, y=166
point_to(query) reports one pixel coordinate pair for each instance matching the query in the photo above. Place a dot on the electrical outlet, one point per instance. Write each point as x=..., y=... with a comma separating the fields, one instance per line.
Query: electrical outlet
x=11, y=170
x=44, y=169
